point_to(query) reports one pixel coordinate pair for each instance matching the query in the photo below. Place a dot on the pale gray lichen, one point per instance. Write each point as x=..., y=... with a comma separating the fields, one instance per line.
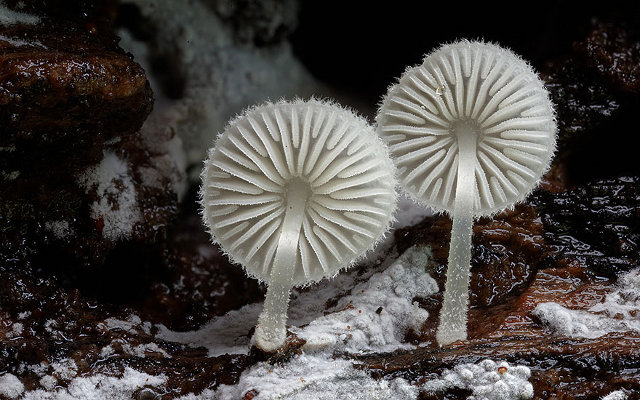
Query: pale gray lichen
x=116, y=205
x=59, y=229
x=487, y=380
x=618, y=312
x=218, y=76
x=10, y=17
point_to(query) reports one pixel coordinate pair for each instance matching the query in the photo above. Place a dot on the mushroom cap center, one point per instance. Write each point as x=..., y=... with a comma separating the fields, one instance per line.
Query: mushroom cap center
x=298, y=188
x=466, y=127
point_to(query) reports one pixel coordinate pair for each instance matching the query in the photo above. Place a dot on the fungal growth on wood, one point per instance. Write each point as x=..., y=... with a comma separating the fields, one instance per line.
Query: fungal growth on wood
x=472, y=131
x=295, y=192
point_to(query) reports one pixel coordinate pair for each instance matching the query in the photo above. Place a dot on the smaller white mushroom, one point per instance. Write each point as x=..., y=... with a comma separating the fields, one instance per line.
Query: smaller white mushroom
x=472, y=131
x=295, y=192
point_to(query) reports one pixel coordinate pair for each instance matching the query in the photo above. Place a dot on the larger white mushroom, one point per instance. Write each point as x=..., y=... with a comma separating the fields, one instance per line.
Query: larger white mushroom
x=295, y=192
x=472, y=131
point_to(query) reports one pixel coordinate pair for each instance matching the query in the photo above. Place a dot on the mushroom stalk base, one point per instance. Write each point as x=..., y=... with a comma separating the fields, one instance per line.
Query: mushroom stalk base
x=271, y=331
x=453, y=315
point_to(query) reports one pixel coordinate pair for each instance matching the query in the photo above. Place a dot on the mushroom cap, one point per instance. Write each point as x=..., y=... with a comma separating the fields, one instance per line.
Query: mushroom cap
x=350, y=178
x=482, y=89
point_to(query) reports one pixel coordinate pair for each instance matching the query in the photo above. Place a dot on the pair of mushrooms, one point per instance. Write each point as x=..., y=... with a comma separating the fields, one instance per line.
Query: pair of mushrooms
x=297, y=191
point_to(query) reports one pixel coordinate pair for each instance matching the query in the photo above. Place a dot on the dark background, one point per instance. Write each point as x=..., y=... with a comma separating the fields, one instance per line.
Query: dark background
x=364, y=46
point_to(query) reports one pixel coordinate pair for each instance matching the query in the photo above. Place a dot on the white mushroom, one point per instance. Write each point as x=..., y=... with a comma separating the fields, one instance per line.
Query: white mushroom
x=472, y=130
x=295, y=192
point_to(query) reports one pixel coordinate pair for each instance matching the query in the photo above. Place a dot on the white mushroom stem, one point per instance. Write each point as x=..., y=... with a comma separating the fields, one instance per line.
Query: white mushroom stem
x=453, y=315
x=271, y=331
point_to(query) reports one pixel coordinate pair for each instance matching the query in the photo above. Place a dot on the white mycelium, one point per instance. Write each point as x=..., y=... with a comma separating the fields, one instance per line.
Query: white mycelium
x=472, y=130
x=295, y=192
